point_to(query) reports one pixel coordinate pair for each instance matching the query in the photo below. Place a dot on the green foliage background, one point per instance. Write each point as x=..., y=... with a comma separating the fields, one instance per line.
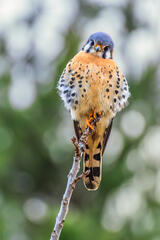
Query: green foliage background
x=35, y=159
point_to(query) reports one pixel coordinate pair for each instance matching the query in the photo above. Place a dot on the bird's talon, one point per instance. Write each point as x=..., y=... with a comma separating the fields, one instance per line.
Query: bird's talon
x=91, y=119
x=88, y=124
x=94, y=114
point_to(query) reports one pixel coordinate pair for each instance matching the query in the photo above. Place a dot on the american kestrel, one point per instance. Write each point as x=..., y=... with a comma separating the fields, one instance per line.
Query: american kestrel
x=93, y=84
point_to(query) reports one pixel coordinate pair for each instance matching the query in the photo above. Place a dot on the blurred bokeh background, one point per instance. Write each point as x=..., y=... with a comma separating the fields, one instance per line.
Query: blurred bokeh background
x=37, y=39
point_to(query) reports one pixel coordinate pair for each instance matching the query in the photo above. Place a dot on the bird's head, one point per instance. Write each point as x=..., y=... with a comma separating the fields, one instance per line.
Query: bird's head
x=99, y=44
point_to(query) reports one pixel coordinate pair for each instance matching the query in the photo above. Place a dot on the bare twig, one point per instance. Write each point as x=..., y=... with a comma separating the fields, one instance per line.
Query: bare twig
x=72, y=180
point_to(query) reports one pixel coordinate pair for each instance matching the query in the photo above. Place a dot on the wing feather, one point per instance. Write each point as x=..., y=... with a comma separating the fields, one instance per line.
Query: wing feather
x=106, y=136
x=77, y=129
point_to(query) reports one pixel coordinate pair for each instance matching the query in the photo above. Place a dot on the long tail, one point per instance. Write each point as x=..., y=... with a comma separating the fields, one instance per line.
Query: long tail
x=92, y=161
x=92, y=158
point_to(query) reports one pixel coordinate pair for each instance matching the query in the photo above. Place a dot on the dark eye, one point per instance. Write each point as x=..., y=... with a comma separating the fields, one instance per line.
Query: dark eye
x=106, y=48
x=91, y=42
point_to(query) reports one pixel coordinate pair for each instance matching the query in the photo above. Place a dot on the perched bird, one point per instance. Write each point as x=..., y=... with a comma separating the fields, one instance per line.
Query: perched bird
x=90, y=85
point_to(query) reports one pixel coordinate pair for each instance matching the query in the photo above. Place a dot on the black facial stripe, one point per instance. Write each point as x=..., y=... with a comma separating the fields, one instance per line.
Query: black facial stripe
x=111, y=55
x=91, y=42
x=104, y=54
x=105, y=50
x=90, y=45
x=88, y=50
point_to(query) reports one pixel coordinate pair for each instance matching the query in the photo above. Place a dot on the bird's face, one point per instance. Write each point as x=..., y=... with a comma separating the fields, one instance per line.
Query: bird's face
x=99, y=44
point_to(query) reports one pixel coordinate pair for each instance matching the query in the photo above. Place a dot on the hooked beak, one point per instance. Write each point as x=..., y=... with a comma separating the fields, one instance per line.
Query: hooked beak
x=97, y=48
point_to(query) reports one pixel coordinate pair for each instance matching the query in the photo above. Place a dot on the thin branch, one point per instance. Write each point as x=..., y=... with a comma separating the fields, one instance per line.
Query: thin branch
x=72, y=180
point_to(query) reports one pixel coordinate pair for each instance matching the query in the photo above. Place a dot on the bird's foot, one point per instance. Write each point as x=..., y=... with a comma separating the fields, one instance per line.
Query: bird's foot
x=88, y=123
x=92, y=119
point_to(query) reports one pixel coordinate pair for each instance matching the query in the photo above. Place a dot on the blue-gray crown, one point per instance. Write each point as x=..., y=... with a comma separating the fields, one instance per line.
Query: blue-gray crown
x=102, y=38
